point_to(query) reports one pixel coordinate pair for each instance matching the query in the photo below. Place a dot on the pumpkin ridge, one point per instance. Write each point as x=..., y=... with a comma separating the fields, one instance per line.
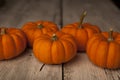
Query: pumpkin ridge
x=22, y=37
x=90, y=44
x=87, y=33
x=45, y=38
x=20, y=40
x=69, y=30
x=99, y=44
x=56, y=53
x=44, y=41
x=5, y=36
x=63, y=49
x=88, y=36
x=93, y=27
x=75, y=35
x=107, y=50
x=73, y=26
x=2, y=47
x=15, y=47
x=109, y=53
x=117, y=38
x=34, y=48
x=95, y=51
x=70, y=44
x=79, y=34
x=51, y=51
x=70, y=26
x=114, y=54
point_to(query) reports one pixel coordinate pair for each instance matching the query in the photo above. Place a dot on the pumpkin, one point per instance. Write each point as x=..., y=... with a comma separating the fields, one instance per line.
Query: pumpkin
x=32, y=29
x=12, y=42
x=54, y=48
x=81, y=32
x=104, y=49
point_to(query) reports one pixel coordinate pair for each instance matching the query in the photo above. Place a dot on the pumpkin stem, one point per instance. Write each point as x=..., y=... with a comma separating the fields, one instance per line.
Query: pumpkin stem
x=54, y=37
x=82, y=18
x=110, y=35
x=3, y=31
x=40, y=26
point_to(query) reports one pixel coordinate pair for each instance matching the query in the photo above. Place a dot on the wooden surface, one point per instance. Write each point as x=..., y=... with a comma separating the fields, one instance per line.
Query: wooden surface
x=81, y=68
x=27, y=67
x=15, y=13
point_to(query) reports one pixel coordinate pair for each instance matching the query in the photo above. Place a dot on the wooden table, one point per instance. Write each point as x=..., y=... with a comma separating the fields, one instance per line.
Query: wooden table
x=26, y=67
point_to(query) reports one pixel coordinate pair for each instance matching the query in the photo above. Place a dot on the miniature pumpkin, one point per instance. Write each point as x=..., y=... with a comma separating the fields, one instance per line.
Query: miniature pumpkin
x=40, y=27
x=54, y=49
x=12, y=42
x=104, y=49
x=81, y=32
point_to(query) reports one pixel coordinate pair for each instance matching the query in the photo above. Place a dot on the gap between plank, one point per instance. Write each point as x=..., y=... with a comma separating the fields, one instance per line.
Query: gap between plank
x=61, y=25
x=63, y=71
x=61, y=13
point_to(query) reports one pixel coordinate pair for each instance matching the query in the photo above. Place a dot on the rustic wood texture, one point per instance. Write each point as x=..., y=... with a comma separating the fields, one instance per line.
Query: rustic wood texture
x=80, y=68
x=27, y=67
x=15, y=13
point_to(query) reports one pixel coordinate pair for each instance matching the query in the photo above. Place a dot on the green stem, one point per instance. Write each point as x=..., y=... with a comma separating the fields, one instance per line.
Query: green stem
x=40, y=26
x=3, y=31
x=82, y=18
x=54, y=37
x=110, y=38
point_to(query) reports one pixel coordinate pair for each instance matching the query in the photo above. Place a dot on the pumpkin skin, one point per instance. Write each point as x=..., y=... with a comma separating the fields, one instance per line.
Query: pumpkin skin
x=12, y=43
x=40, y=27
x=81, y=35
x=54, y=49
x=81, y=32
x=103, y=51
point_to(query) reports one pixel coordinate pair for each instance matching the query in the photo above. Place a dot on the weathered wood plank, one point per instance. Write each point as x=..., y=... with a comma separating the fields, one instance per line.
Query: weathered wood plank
x=16, y=13
x=100, y=12
x=27, y=67
x=80, y=68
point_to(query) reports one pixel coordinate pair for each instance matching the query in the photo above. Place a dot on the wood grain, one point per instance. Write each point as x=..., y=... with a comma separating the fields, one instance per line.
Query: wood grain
x=80, y=68
x=27, y=67
x=15, y=13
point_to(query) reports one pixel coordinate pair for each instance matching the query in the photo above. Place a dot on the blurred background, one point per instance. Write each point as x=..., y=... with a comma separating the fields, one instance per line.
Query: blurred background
x=104, y=13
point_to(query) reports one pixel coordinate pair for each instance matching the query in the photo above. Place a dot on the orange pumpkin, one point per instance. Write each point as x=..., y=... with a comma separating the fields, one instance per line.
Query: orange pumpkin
x=12, y=42
x=81, y=32
x=32, y=29
x=104, y=49
x=54, y=49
